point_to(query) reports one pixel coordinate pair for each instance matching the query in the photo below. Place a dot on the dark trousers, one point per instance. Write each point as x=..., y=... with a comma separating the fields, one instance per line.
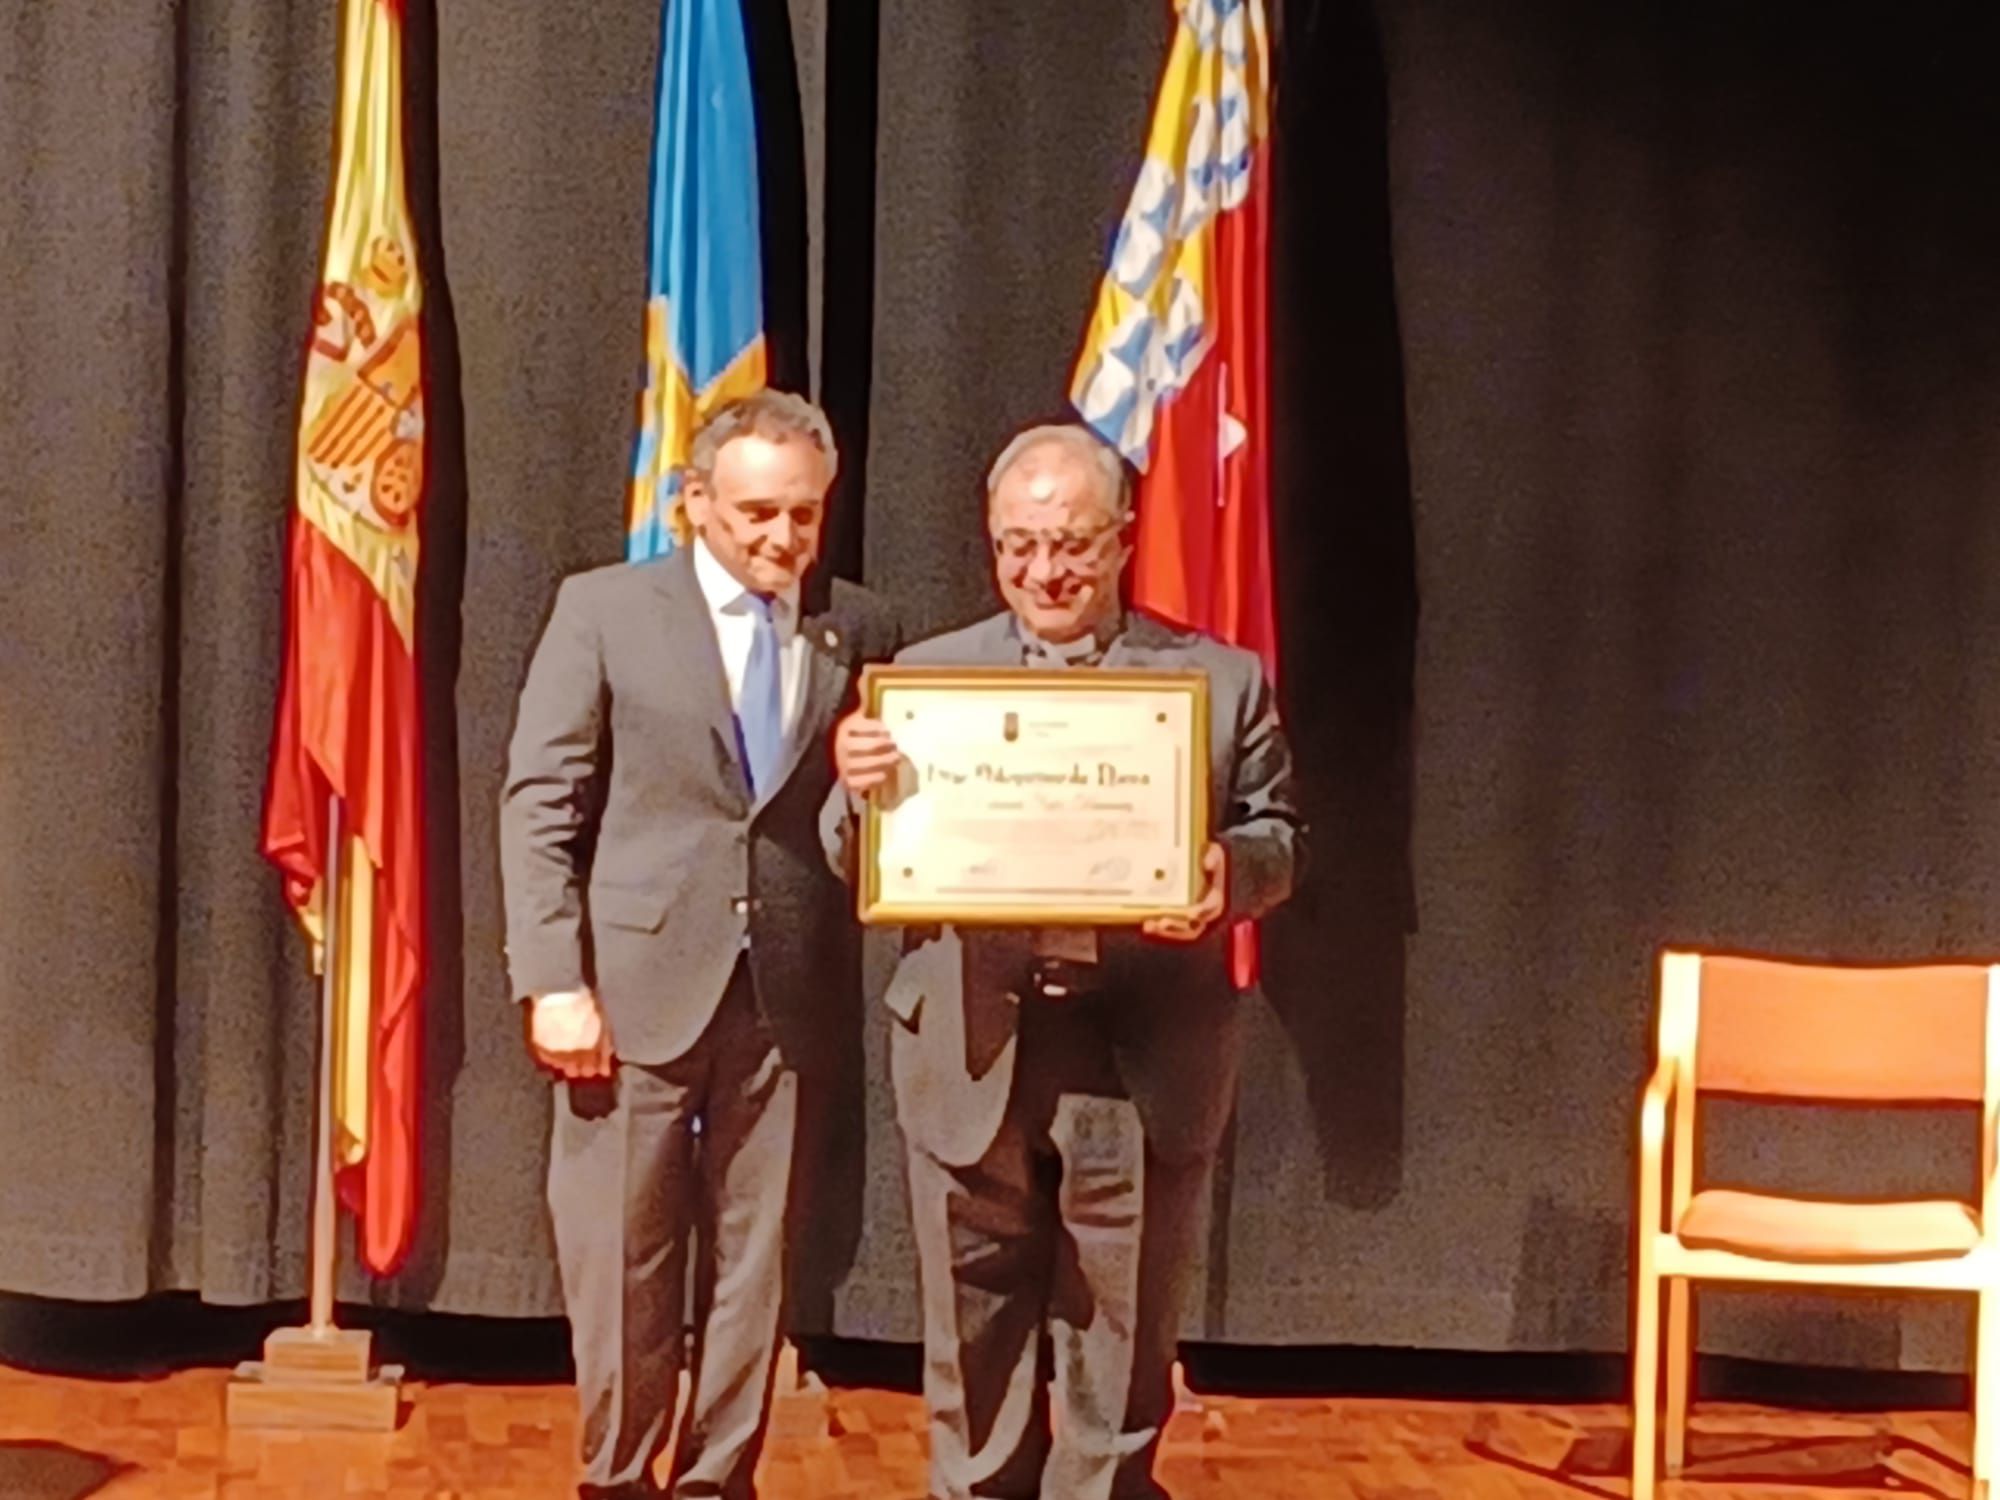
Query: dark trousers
x=1069, y=1226
x=630, y=1176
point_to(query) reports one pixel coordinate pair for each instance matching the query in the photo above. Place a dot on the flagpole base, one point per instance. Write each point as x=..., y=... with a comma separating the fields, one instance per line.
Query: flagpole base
x=801, y=1410
x=1211, y=1419
x=322, y=1380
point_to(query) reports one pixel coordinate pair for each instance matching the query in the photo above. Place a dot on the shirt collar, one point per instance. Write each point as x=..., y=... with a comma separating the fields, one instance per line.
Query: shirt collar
x=1084, y=651
x=726, y=594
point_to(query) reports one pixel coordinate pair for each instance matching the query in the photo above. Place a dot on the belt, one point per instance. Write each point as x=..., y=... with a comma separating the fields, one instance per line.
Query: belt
x=1063, y=979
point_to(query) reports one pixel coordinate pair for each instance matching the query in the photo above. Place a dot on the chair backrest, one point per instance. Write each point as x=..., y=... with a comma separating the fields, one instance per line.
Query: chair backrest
x=1777, y=1029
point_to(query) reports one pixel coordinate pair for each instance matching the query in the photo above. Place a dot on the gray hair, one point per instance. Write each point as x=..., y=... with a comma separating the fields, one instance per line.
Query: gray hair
x=775, y=416
x=1082, y=444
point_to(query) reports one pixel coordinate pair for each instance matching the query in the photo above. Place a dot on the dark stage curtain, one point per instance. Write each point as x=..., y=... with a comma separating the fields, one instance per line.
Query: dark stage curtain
x=1703, y=331
x=1653, y=350
x=162, y=183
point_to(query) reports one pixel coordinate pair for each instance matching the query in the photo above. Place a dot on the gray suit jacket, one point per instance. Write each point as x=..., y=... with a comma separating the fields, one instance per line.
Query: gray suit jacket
x=956, y=994
x=633, y=855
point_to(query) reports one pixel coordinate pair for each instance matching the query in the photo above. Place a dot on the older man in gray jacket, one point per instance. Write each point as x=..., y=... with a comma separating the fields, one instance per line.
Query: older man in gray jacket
x=1062, y=1093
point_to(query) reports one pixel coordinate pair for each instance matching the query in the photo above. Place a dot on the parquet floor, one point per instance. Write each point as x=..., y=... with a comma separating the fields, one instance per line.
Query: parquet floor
x=63, y=1438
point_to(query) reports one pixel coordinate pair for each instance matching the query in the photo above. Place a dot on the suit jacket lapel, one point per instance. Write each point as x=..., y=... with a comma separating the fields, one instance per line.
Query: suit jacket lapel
x=1146, y=642
x=1136, y=645
x=1000, y=645
x=692, y=655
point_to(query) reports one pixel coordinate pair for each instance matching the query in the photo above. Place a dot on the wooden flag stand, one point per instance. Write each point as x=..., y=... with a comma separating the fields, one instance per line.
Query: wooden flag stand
x=1186, y=1400
x=801, y=1411
x=320, y=1376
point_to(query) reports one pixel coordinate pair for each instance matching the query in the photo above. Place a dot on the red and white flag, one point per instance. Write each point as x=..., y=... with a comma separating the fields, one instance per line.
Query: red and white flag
x=1175, y=370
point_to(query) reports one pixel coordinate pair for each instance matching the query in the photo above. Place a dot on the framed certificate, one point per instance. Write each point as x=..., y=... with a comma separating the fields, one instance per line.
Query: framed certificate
x=1036, y=797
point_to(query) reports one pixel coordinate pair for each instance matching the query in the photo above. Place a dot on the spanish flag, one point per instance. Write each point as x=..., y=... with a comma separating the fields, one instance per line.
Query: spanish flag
x=1174, y=371
x=347, y=723
x=705, y=292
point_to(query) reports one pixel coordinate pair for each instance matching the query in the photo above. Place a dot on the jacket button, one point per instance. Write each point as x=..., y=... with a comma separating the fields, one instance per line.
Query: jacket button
x=741, y=906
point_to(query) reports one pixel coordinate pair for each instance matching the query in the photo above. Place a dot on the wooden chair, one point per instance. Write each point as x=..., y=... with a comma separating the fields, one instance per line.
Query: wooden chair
x=1765, y=1029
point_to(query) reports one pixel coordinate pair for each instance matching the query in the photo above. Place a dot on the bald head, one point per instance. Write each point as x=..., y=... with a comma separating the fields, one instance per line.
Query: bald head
x=1057, y=508
x=1044, y=451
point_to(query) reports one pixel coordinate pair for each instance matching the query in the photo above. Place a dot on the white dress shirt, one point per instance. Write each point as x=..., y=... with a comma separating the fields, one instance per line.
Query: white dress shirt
x=736, y=625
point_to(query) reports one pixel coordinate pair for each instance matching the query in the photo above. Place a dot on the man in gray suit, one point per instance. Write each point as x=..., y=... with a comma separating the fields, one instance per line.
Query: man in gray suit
x=1062, y=1093
x=679, y=940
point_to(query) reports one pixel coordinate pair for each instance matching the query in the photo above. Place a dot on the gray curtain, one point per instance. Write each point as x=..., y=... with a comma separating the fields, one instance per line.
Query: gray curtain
x=1652, y=350
x=165, y=176
x=163, y=185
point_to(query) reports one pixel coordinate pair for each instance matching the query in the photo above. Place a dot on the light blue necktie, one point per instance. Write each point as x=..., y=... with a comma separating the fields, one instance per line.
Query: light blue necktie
x=760, y=708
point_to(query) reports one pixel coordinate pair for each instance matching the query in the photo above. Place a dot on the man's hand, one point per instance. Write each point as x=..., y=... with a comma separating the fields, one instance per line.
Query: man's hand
x=864, y=753
x=1204, y=914
x=567, y=1034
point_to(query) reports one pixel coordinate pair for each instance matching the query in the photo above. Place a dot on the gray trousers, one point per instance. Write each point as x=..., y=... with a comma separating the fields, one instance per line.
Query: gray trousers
x=1071, y=1226
x=629, y=1178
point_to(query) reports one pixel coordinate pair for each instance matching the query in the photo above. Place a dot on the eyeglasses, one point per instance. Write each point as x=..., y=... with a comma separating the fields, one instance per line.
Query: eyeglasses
x=1070, y=547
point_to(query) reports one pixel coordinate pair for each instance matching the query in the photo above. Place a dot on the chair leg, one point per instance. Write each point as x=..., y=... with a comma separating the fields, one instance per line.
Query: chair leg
x=1645, y=1383
x=1985, y=1393
x=1680, y=1370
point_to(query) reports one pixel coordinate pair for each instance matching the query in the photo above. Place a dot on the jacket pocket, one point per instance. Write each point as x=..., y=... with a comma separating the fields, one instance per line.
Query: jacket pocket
x=617, y=906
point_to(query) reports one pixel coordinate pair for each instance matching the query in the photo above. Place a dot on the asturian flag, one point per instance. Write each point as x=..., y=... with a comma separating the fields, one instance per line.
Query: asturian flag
x=347, y=723
x=705, y=293
x=1175, y=368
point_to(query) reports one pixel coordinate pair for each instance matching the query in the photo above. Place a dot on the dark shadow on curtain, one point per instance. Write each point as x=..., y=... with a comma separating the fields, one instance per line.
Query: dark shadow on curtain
x=847, y=250
x=166, y=936
x=440, y=625
x=1347, y=590
x=831, y=1157
x=1568, y=1282
x=1569, y=1279
x=140, y=1339
x=830, y=1166
x=781, y=184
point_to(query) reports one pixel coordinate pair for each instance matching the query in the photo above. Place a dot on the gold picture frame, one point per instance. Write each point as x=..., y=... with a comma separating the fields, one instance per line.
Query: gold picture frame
x=1006, y=769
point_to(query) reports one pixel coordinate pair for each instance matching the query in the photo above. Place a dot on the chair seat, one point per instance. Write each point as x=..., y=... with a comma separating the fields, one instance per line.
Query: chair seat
x=1771, y=1227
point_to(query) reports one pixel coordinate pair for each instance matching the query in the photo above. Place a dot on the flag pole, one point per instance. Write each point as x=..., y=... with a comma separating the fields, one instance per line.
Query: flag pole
x=323, y=1210
x=321, y=1376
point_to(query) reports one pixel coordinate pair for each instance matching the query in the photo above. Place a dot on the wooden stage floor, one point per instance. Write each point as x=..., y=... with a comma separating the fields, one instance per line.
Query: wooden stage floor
x=63, y=1438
